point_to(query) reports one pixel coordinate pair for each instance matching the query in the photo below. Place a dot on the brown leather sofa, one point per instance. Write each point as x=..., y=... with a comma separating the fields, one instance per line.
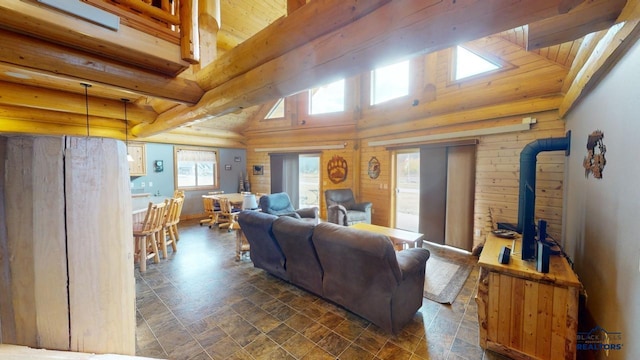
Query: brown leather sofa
x=356, y=269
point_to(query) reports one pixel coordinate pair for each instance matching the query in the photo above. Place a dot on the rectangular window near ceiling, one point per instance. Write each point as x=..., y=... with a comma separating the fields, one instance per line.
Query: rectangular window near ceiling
x=196, y=168
x=327, y=99
x=389, y=82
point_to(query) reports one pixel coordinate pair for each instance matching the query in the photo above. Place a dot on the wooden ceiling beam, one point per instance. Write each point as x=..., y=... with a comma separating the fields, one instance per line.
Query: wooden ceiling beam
x=181, y=139
x=63, y=102
x=127, y=44
x=586, y=18
x=39, y=55
x=605, y=55
x=396, y=30
x=283, y=35
x=56, y=117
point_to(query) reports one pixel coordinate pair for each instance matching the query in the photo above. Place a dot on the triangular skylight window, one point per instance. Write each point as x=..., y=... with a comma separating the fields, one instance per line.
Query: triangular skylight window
x=470, y=64
x=277, y=111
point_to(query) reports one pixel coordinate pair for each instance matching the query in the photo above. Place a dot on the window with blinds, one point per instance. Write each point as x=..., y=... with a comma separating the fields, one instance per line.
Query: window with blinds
x=196, y=168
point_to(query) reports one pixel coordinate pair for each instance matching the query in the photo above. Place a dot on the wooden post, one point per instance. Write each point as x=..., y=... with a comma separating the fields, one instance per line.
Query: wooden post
x=208, y=27
x=66, y=257
x=100, y=246
x=189, y=39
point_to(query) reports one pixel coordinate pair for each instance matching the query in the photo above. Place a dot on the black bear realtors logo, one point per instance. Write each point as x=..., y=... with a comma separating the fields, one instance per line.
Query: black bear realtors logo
x=599, y=339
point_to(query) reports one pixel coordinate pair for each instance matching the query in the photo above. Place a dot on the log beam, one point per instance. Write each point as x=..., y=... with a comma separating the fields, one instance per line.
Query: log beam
x=586, y=18
x=62, y=102
x=283, y=35
x=609, y=50
x=58, y=60
x=396, y=30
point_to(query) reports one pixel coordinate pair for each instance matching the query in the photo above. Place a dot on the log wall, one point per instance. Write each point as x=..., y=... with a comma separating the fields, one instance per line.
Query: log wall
x=528, y=86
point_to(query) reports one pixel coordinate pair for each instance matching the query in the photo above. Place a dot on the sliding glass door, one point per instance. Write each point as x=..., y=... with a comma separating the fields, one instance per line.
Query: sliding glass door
x=309, y=184
x=407, y=191
x=298, y=175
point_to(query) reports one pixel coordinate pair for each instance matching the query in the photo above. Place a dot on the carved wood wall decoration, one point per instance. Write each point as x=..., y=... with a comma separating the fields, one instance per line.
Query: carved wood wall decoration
x=374, y=168
x=337, y=169
x=594, y=162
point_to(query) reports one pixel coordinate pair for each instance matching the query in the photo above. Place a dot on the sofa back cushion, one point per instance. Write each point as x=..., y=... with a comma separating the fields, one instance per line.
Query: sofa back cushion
x=265, y=251
x=361, y=271
x=303, y=266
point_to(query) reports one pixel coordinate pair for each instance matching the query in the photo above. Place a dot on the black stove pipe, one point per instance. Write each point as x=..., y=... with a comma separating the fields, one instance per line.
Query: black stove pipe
x=528, y=170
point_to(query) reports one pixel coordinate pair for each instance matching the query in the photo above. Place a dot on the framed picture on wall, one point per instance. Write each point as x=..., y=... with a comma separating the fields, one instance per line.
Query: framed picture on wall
x=227, y=167
x=258, y=169
x=237, y=159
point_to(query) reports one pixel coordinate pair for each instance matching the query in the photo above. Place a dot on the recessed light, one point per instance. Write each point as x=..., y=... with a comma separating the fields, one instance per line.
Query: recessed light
x=17, y=75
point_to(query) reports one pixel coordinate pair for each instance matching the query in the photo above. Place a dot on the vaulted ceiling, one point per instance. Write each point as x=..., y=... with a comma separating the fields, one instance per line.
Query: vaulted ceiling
x=45, y=55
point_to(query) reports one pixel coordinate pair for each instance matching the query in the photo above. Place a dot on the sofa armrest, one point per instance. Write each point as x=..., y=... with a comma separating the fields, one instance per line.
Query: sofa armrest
x=412, y=260
x=292, y=214
x=337, y=214
x=308, y=212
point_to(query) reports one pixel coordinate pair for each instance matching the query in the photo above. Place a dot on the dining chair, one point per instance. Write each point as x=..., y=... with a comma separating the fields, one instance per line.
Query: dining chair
x=209, y=209
x=147, y=234
x=227, y=216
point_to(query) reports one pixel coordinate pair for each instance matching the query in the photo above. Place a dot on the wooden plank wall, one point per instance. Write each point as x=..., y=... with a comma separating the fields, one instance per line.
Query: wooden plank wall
x=498, y=173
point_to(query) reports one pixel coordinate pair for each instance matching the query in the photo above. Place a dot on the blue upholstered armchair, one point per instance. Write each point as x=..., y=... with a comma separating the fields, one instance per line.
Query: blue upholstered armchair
x=280, y=204
x=342, y=208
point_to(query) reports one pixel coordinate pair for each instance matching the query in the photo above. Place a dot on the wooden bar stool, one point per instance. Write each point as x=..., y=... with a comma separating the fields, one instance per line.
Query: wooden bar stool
x=170, y=226
x=147, y=233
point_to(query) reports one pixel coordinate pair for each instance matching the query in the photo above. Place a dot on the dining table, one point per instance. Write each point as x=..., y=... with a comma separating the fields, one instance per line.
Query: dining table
x=235, y=199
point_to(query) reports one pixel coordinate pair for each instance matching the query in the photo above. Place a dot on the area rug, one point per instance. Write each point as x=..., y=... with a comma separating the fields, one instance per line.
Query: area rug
x=445, y=277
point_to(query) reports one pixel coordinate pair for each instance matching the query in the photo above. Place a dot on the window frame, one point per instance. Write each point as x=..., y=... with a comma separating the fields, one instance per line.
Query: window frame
x=502, y=65
x=216, y=168
x=397, y=100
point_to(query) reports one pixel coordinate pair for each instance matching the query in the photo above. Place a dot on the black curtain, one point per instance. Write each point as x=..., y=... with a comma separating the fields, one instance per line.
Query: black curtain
x=284, y=175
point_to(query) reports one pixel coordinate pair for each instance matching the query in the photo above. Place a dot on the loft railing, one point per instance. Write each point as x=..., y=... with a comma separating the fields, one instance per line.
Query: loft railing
x=160, y=18
x=157, y=17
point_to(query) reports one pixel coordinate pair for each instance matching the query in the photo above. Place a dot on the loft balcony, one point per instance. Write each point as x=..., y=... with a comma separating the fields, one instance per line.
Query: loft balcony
x=148, y=35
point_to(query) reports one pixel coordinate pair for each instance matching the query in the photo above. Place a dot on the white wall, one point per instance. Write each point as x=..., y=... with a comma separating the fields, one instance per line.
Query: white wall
x=602, y=218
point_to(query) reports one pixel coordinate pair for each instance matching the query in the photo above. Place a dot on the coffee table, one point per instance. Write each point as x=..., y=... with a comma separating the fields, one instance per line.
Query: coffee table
x=399, y=237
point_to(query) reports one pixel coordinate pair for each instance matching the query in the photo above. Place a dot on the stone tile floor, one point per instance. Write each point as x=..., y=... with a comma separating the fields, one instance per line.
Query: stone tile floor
x=202, y=304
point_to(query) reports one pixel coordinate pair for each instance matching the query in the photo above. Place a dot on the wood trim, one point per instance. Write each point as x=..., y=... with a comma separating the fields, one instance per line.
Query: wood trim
x=435, y=144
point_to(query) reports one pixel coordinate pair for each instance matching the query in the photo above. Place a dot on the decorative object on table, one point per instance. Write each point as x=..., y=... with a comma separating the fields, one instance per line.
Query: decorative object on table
x=249, y=202
x=158, y=165
x=227, y=167
x=374, y=168
x=241, y=183
x=258, y=170
x=505, y=234
x=247, y=184
x=237, y=159
x=337, y=169
x=594, y=162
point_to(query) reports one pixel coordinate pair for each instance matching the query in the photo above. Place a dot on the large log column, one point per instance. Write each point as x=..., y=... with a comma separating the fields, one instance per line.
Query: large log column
x=68, y=268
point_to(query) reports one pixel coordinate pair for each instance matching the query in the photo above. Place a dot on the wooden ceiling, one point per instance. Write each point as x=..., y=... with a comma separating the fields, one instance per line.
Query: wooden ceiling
x=41, y=67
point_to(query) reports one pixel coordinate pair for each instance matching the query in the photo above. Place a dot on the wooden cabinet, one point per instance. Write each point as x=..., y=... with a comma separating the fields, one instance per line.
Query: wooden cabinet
x=525, y=314
x=137, y=167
